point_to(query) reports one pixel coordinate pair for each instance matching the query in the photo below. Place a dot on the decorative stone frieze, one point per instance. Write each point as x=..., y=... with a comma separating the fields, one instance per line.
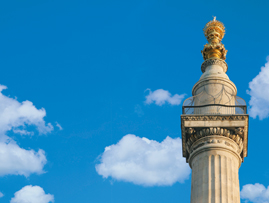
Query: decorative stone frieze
x=210, y=62
x=213, y=117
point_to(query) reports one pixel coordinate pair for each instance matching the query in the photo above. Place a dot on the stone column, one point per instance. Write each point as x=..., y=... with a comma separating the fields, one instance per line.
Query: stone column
x=214, y=126
x=215, y=161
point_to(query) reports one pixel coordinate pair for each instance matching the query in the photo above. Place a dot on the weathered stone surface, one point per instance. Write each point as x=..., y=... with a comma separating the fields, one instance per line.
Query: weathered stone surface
x=215, y=172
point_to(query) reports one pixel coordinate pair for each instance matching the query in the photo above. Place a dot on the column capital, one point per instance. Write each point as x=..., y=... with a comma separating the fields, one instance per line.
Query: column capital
x=195, y=127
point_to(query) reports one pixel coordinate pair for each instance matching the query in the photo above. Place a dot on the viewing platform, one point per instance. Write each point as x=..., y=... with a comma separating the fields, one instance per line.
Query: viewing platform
x=238, y=106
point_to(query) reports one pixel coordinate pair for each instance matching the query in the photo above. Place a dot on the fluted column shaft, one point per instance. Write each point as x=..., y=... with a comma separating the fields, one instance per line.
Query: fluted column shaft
x=215, y=163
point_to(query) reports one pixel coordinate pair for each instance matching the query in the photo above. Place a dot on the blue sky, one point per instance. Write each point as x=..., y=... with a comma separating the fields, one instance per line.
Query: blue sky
x=87, y=65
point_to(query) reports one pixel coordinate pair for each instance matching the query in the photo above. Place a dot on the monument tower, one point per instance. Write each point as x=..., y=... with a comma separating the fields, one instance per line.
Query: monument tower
x=214, y=125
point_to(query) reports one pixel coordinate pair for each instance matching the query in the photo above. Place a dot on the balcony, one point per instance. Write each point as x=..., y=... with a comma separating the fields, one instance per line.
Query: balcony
x=236, y=105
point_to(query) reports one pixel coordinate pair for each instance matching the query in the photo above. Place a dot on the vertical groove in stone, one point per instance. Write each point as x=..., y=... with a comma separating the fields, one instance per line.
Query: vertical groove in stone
x=196, y=178
x=231, y=181
x=209, y=179
x=225, y=180
x=192, y=182
x=234, y=192
x=213, y=192
x=234, y=183
x=228, y=178
x=202, y=180
x=195, y=181
x=236, y=186
x=220, y=179
x=217, y=181
x=205, y=181
x=200, y=168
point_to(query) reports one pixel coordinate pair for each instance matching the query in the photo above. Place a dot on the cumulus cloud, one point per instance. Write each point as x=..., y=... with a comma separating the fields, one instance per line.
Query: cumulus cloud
x=259, y=92
x=32, y=194
x=1, y=194
x=256, y=193
x=161, y=96
x=18, y=161
x=144, y=162
x=16, y=116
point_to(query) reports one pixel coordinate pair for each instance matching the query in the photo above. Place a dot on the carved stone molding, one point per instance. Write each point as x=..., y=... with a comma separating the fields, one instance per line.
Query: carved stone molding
x=194, y=134
x=221, y=141
x=195, y=127
x=219, y=62
x=213, y=117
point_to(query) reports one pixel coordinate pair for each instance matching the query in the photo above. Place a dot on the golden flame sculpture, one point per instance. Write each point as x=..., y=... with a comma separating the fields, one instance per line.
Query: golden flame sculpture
x=214, y=32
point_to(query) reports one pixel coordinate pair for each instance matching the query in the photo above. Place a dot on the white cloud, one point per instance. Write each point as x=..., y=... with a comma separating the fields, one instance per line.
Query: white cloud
x=161, y=96
x=32, y=194
x=256, y=193
x=16, y=116
x=259, y=92
x=144, y=162
x=59, y=126
x=18, y=161
x=1, y=194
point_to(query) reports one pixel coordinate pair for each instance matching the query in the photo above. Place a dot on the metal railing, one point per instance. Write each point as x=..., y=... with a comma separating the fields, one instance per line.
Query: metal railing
x=215, y=109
